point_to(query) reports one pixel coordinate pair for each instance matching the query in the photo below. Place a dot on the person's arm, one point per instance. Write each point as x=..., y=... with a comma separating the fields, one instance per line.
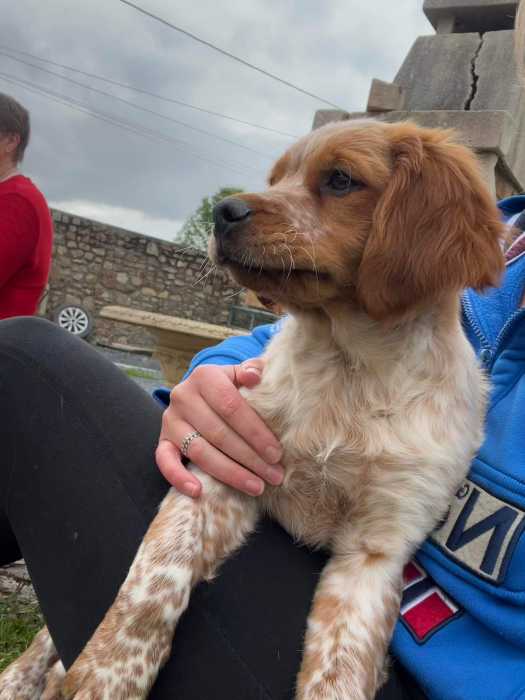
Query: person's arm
x=235, y=446
x=18, y=235
x=236, y=349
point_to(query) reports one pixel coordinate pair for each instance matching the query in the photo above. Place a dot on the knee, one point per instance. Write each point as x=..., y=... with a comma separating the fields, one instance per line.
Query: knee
x=25, y=332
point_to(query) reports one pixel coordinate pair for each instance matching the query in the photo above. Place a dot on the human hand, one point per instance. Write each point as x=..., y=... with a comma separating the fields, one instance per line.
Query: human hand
x=235, y=446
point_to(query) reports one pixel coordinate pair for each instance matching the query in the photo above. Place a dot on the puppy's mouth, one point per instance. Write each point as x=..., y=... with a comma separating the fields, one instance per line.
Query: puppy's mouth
x=277, y=273
x=280, y=272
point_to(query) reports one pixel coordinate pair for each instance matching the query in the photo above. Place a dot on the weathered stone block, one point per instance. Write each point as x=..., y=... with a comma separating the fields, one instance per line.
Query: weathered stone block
x=385, y=97
x=483, y=131
x=445, y=24
x=471, y=15
x=152, y=248
x=326, y=116
x=499, y=88
x=122, y=278
x=445, y=61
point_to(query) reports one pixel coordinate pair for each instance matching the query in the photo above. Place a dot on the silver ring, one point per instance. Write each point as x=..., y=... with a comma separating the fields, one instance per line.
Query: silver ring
x=185, y=446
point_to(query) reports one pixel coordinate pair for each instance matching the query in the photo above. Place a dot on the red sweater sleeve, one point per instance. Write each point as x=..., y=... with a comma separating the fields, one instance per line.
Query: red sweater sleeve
x=18, y=235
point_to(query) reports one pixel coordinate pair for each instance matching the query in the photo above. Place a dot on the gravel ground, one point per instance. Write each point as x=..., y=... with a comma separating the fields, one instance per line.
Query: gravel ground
x=14, y=580
x=130, y=361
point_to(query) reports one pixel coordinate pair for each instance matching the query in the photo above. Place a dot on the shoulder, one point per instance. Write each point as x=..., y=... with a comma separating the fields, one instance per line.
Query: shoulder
x=26, y=188
x=21, y=198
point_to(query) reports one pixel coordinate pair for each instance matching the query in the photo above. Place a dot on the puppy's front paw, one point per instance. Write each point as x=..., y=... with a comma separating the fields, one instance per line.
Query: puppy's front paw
x=332, y=685
x=330, y=689
x=84, y=681
x=54, y=681
x=112, y=677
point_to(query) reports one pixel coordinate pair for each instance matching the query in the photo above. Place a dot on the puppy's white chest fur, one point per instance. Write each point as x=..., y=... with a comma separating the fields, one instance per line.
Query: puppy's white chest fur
x=368, y=418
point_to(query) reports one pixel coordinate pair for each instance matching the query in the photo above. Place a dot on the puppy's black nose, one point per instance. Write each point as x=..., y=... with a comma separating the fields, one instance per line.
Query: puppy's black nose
x=228, y=214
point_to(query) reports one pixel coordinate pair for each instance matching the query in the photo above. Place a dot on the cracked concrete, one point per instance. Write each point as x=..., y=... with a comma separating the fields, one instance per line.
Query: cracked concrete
x=498, y=88
x=437, y=72
x=474, y=75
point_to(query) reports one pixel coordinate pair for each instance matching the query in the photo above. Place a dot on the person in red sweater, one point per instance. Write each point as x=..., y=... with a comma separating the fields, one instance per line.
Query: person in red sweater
x=26, y=229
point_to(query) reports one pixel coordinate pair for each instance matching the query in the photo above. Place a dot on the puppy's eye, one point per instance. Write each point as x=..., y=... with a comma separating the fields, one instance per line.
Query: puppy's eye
x=338, y=182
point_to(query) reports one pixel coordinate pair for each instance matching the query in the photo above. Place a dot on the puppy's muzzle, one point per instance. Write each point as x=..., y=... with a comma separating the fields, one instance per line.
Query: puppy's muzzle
x=228, y=216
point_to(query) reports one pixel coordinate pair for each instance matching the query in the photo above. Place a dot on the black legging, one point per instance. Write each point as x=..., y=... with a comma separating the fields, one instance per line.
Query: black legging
x=79, y=485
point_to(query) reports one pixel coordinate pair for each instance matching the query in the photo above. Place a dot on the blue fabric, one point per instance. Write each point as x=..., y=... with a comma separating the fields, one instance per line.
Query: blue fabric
x=480, y=653
x=236, y=349
x=512, y=205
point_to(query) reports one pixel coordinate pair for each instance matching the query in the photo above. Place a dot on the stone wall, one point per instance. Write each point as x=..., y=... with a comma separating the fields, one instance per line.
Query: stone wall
x=96, y=265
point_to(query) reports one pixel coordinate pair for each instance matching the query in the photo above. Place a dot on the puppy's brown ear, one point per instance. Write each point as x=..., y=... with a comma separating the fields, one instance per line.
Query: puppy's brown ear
x=436, y=227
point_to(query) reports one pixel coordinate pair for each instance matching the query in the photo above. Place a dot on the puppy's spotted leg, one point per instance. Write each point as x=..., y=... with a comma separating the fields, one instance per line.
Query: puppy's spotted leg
x=54, y=680
x=25, y=678
x=354, y=611
x=349, y=627
x=185, y=543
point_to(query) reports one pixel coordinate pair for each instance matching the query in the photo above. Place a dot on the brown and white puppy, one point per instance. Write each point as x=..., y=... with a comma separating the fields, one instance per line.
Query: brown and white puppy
x=366, y=234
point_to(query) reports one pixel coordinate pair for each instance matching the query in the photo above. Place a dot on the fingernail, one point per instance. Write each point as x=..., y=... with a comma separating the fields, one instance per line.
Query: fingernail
x=275, y=475
x=253, y=370
x=255, y=488
x=190, y=489
x=272, y=455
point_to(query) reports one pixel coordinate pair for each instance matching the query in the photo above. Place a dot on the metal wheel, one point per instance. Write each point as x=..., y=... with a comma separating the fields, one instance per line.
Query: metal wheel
x=74, y=319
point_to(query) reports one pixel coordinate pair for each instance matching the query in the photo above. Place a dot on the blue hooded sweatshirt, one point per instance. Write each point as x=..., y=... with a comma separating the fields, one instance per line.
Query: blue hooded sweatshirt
x=461, y=631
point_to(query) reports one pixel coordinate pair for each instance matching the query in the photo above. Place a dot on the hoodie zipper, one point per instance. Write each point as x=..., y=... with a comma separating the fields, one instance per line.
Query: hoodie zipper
x=504, y=333
x=485, y=354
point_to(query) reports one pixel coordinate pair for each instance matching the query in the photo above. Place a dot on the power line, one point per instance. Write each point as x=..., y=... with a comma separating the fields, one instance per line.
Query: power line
x=228, y=54
x=135, y=106
x=140, y=129
x=37, y=91
x=163, y=98
x=137, y=129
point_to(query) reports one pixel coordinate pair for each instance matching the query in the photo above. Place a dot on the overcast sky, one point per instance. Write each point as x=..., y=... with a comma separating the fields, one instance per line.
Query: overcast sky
x=151, y=183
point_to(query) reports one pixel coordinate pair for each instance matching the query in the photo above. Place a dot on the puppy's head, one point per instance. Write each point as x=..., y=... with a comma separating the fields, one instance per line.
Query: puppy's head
x=383, y=216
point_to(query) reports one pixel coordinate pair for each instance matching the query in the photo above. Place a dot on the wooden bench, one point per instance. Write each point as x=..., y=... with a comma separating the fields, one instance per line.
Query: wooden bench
x=176, y=339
